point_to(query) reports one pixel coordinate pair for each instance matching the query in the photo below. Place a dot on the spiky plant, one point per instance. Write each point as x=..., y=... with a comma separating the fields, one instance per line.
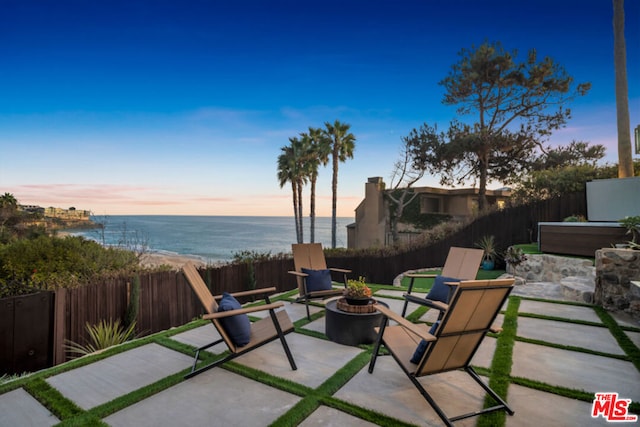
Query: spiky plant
x=103, y=335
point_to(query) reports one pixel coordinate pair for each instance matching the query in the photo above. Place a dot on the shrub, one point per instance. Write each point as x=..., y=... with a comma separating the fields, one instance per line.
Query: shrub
x=47, y=262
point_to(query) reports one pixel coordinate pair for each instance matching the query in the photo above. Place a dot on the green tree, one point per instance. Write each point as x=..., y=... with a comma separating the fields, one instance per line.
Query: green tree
x=318, y=149
x=625, y=159
x=342, y=146
x=517, y=106
x=8, y=215
x=561, y=170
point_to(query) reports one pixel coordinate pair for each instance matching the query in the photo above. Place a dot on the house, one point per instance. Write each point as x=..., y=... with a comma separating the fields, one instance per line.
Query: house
x=372, y=227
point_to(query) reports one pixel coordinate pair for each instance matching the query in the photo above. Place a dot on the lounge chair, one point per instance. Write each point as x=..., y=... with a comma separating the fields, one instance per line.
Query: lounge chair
x=313, y=277
x=240, y=335
x=461, y=264
x=450, y=344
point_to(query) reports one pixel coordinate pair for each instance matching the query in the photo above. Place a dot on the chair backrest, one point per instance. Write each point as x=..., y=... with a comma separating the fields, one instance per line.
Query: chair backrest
x=208, y=301
x=199, y=287
x=471, y=313
x=307, y=255
x=462, y=263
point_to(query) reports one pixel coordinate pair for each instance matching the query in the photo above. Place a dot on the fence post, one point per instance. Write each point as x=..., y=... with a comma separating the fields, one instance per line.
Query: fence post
x=59, y=325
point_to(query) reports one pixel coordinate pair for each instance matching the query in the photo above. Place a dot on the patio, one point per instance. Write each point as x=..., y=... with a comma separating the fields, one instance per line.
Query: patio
x=563, y=353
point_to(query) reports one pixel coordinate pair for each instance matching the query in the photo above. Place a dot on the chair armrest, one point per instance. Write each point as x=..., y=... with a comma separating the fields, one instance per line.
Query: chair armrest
x=426, y=302
x=420, y=276
x=221, y=314
x=249, y=293
x=404, y=323
x=297, y=273
x=495, y=329
x=340, y=270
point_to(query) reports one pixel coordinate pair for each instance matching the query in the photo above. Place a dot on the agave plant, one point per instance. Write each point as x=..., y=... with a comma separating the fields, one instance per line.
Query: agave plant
x=103, y=335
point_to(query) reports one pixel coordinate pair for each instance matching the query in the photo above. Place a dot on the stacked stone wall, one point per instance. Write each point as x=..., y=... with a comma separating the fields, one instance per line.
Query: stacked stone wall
x=616, y=269
x=552, y=268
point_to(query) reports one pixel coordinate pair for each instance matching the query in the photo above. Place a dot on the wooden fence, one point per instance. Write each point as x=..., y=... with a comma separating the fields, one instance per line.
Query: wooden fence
x=167, y=301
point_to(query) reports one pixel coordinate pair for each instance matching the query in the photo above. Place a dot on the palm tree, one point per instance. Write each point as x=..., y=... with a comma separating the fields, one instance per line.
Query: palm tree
x=287, y=173
x=625, y=161
x=8, y=208
x=342, y=145
x=318, y=149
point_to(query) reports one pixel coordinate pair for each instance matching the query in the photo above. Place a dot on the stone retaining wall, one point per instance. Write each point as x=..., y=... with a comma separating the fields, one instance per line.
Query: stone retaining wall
x=552, y=268
x=615, y=270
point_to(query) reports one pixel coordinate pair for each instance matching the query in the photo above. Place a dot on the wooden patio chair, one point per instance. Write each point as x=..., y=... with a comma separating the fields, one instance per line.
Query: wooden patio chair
x=313, y=277
x=261, y=332
x=461, y=264
x=451, y=343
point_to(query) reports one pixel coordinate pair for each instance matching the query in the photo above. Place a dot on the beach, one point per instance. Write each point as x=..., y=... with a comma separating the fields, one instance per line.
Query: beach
x=175, y=261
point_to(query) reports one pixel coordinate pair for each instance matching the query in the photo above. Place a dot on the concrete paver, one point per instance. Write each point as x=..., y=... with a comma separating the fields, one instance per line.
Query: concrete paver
x=316, y=359
x=19, y=408
x=215, y=398
x=575, y=370
x=564, y=311
x=589, y=337
x=106, y=379
x=219, y=397
x=536, y=408
x=329, y=417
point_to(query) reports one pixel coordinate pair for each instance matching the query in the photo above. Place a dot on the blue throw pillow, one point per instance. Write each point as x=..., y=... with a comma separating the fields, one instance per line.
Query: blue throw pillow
x=317, y=280
x=439, y=291
x=238, y=327
x=423, y=345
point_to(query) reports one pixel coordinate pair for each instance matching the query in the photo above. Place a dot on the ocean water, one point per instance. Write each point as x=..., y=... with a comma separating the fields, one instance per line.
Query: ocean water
x=212, y=238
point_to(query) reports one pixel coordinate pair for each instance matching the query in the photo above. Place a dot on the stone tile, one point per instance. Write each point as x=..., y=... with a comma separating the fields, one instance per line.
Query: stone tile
x=572, y=334
x=215, y=397
x=317, y=359
x=329, y=417
x=535, y=408
x=484, y=355
x=296, y=311
x=576, y=370
x=559, y=310
x=18, y=408
x=389, y=391
x=201, y=336
x=634, y=337
x=317, y=325
x=99, y=382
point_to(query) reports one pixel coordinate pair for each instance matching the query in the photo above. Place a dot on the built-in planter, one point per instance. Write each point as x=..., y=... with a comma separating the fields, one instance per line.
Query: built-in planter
x=616, y=270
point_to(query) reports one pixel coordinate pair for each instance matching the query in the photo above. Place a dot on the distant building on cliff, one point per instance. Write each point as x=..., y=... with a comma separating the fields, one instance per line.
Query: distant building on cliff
x=372, y=226
x=67, y=214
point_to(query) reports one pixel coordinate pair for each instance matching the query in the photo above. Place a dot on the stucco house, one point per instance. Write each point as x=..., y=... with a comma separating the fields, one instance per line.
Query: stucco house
x=372, y=227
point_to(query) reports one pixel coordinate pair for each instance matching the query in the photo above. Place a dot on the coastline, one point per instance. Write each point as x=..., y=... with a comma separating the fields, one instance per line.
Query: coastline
x=175, y=261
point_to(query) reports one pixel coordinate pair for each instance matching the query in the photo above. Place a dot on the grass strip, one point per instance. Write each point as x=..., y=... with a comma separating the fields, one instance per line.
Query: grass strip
x=372, y=416
x=500, y=372
x=83, y=420
x=52, y=399
x=623, y=340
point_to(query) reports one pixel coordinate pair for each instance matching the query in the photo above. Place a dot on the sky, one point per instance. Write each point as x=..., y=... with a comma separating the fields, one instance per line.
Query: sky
x=181, y=107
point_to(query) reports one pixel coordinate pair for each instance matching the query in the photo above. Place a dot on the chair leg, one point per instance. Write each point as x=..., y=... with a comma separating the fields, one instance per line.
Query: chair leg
x=285, y=346
x=406, y=302
x=376, y=348
x=493, y=394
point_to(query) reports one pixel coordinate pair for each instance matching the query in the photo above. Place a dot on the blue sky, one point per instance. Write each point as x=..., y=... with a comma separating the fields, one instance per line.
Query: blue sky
x=181, y=107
